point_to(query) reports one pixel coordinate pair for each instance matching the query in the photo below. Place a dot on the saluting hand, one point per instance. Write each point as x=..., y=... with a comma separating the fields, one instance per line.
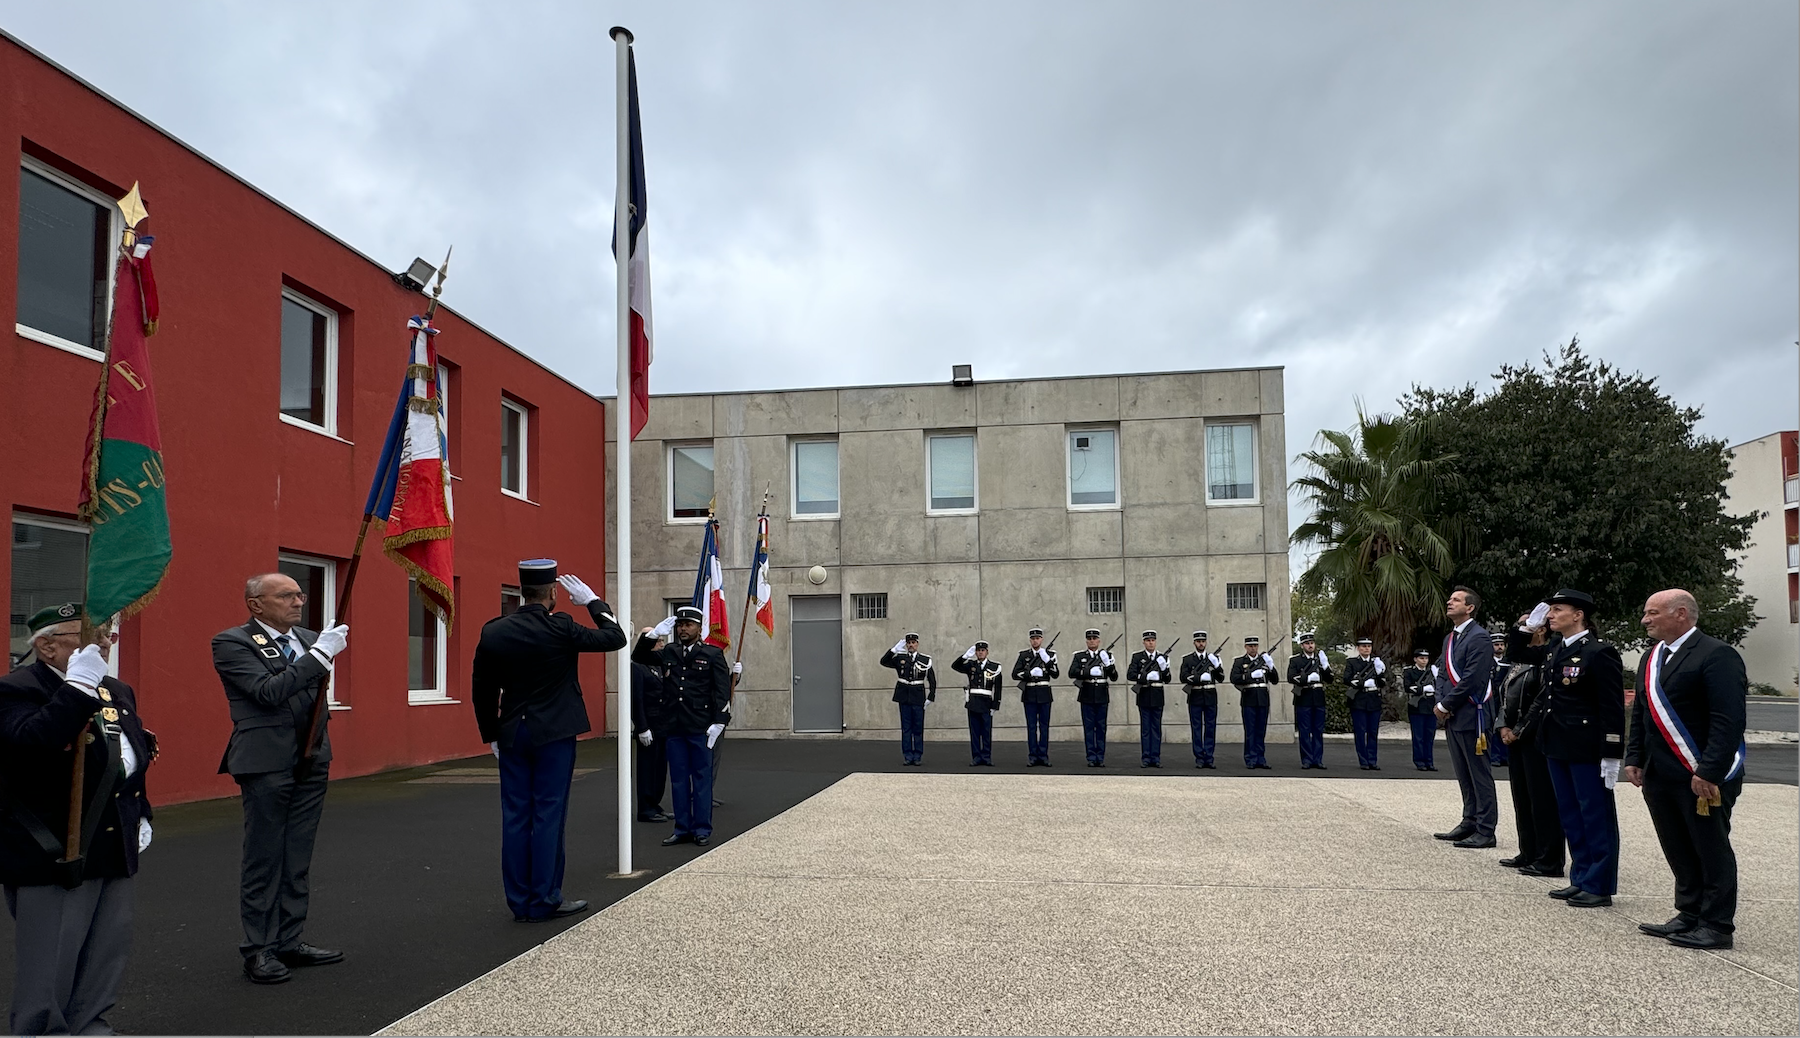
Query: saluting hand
x=86, y=668
x=579, y=592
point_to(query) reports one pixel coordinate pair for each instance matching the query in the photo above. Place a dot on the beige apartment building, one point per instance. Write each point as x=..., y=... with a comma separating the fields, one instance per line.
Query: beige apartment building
x=969, y=510
x=1765, y=475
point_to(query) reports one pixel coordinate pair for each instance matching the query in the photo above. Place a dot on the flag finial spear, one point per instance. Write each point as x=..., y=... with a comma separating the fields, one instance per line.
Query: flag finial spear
x=437, y=290
x=132, y=208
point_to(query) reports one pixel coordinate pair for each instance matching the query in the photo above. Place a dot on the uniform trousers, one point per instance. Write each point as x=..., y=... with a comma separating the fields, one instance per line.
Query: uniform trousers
x=1424, y=739
x=1037, y=731
x=1309, y=732
x=912, y=732
x=1698, y=848
x=1534, y=808
x=652, y=775
x=281, y=822
x=1150, y=733
x=534, y=811
x=981, y=736
x=1590, y=821
x=691, y=783
x=1366, y=726
x=1203, y=721
x=1499, y=754
x=69, y=952
x=1256, y=732
x=1093, y=730
x=1480, y=808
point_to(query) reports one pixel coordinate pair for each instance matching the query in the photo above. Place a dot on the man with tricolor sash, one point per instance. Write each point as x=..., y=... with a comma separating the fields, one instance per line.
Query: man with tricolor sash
x=1686, y=752
x=1461, y=692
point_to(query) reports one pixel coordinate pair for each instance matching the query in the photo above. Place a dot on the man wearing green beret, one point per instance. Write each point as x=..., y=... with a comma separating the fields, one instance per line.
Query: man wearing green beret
x=71, y=913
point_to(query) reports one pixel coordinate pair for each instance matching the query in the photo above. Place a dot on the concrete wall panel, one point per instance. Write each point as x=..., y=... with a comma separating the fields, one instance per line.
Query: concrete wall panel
x=872, y=408
x=795, y=413
x=1225, y=393
x=1062, y=401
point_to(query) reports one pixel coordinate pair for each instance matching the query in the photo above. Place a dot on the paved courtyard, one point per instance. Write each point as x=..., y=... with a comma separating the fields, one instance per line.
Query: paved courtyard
x=1101, y=904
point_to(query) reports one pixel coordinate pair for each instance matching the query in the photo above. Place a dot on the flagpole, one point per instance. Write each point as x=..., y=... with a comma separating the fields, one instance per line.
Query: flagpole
x=622, y=426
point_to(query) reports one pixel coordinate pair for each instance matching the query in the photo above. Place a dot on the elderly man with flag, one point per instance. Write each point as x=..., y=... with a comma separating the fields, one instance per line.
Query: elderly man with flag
x=1686, y=751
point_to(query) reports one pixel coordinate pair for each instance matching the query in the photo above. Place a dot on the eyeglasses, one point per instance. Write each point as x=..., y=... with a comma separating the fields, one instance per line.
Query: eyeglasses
x=286, y=596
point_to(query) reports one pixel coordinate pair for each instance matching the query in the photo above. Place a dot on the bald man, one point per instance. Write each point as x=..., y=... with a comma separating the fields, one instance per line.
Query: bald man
x=1686, y=752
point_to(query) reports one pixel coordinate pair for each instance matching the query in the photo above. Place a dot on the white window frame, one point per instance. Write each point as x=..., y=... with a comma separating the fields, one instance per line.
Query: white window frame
x=524, y=413
x=70, y=526
x=440, y=694
x=669, y=516
x=1118, y=502
x=443, y=381
x=331, y=364
x=327, y=611
x=974, y=470
x=116, y=230
x=793, y=479
x=1255, y=498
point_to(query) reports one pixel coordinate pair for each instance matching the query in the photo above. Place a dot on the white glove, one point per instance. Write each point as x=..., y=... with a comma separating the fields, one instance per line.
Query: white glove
x=1380, y=667
x=495, y=747
x=712, y=734
x=86, y=668
x=1609, y=772
x=969, y=653
x=1314, y=676
x=666, y=628
x=1368, y=682
x=899, y=646
x=1106, y=657
x=1037, y=672
x=1044, y=654
x=1155, y=675
x=1095, y=672
x=644, y=738
x=737, y=668
x=143, y=834
x=332, y=641
x=1539, y=613
x=579, y=593
x=1258, y=674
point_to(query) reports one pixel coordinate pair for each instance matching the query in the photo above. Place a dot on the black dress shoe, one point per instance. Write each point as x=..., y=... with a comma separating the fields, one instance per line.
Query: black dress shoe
x=1210, y=767
x=1458, y=833
x=1431, y=767
x=569, y=908
x=304, y=954
x=1513, y=862
x=1701, y=937
x=1374, y=767
x=1475, y=842
x=675, y=838
x=657, y=817
x=1265, y=767
x=1587, y=900
x=703, y=841
x=1321, y=767
x=987, y=763
x=974, y=764
x=1565, y=893
x=1539, y=870
x=264, y=968
x=1674, y=926
x=1143, y=764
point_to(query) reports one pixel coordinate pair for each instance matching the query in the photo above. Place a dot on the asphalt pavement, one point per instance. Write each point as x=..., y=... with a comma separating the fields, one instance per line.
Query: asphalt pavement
x=1765, y=714
x=406, y=876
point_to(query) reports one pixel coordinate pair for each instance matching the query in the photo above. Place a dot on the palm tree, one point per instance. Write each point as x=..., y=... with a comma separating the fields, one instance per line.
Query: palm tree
x=1385, y=548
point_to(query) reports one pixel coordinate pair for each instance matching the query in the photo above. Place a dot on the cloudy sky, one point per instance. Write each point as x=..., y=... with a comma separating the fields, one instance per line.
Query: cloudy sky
x=1370, y=194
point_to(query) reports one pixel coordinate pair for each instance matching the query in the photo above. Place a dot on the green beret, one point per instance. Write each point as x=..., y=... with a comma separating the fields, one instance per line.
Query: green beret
x=50, y=616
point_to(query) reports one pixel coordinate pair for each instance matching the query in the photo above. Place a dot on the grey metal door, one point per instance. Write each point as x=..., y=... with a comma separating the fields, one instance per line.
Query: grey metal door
x=818, y=663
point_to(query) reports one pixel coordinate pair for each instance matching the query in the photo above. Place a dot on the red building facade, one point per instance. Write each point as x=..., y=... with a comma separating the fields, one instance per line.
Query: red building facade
x=276, y=366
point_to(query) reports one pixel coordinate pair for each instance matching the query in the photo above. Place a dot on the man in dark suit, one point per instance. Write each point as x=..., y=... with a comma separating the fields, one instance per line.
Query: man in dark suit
x=1093, y=671
x=1364, y=677
x=1201, y=672
x=1582, y=734
x=272, y=671
x=1033, y=670
x=1417, y=685
x=1148, y=672
x=1464, y=673
x=652, y=736
x=981, y=697
x=526, y=689
x=1687, y=750
x=915, y=684
x=72, y=920
x=1309, y=671
x=1252, y=674
x=696, y=695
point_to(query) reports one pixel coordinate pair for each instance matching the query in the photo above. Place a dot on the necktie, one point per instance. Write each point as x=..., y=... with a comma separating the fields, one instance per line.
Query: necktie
x=286, y=642
x=1663, y=663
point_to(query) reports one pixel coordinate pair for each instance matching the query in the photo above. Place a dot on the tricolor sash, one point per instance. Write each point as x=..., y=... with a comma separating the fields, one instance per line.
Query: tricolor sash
x=1669, y=722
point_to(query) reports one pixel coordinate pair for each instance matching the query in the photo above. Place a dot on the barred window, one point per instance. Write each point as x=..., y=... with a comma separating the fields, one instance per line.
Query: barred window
x=870, y=607
x=1244, y=596
x=1106, y=599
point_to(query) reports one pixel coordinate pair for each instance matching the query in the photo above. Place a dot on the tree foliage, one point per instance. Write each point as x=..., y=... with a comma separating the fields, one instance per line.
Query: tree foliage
x=1578, y=474
x=1386, y=542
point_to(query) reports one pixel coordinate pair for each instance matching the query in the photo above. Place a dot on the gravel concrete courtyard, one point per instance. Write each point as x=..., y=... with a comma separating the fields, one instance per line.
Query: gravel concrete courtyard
x=1045, y=904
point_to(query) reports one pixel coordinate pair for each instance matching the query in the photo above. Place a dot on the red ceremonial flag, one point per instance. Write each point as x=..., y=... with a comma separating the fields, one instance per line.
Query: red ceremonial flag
x=638, y=268
x=709, y=590
x=412, y=486
x=762, y=598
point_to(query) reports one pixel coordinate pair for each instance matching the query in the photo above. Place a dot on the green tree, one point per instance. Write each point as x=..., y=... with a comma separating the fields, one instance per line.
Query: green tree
x=1385, y=543
x=1578, y=474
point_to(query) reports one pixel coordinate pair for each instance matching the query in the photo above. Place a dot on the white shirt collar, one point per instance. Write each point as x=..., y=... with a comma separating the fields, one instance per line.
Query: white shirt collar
x=1675, y=645
x=1461, y=627
x=53, y=670
x=273, y=633
x=1575, y=638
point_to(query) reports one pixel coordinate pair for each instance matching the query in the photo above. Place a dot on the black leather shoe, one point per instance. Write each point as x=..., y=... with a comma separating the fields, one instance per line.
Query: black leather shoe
x=1513, y=862
x=1265, y=767
x=304, y=954
x=1537, y=870
x=1701, y=937
x=1670, y=928
x=675, y=838
x=972, y=764
x=1587, y=900
x=1565, y=893
x=264, y=968
x=1321, y=767
x=574, y=907
x=657, y=817
x=1210, y=767
x=1458, y=833
x=1374, y=767
x=1141, y=764
x=1431, y=767
x=1475, y=842
x=703, y=841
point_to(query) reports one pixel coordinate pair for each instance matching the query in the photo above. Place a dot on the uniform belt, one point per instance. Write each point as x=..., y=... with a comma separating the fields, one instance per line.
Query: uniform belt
x=904, y=681
x=1037, y=684
x=1257, y=684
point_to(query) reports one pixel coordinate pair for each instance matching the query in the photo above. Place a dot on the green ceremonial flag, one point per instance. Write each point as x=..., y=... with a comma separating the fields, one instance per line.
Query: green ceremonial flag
x=122, y=494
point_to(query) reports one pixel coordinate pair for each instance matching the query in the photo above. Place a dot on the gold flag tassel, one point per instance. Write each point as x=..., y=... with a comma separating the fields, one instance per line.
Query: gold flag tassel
x=1703, y=805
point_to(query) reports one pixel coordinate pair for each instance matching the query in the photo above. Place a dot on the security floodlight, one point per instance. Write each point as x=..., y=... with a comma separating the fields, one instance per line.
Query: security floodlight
x=962, y=374
x=417, y=276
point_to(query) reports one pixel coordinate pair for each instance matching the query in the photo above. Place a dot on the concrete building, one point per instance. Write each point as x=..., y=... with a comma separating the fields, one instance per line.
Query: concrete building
x=967, y=510
x=1765, y=476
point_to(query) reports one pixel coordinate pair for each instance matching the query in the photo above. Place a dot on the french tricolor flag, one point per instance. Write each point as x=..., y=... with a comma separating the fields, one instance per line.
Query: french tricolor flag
x=638, y=266
x=709, y=590
x=762, y=599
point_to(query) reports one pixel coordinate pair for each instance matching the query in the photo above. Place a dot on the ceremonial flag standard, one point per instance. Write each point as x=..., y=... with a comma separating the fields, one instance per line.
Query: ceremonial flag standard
x=709, y=590
x=411, y=492
x=762, y=599
x=637, y=266
x=122, y=487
